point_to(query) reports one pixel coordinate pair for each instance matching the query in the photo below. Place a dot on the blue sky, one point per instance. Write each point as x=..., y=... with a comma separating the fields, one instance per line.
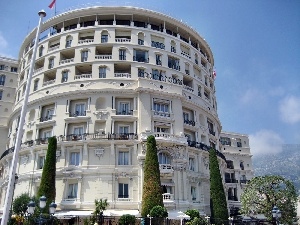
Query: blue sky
x=256, y=46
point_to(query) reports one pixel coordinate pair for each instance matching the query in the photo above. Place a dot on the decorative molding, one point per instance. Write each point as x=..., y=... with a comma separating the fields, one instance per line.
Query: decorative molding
x=205, y=162
x=99, y=152
x=24, y=159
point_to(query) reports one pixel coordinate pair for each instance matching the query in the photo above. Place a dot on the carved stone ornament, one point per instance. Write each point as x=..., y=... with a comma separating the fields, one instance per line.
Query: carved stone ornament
x=24, y=159
x=205, y=162
x=99, y=152
x=101, y=113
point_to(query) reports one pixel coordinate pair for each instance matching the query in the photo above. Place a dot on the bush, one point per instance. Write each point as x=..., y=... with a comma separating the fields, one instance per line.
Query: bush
x=127, y=220
x=159, y=211
x=193, y=213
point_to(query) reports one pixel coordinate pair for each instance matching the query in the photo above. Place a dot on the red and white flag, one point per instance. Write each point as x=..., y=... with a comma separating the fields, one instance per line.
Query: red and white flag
x=52, y=4
x=214, y=74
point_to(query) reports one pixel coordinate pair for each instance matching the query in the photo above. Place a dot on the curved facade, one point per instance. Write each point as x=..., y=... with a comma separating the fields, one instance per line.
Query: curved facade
x=105, y=78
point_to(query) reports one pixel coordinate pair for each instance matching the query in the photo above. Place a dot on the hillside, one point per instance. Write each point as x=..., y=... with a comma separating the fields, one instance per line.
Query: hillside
x=285, y=163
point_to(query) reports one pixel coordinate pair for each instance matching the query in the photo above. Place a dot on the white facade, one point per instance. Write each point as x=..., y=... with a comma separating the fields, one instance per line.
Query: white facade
x=106, y=78
x=239, y=168
x=8, y=84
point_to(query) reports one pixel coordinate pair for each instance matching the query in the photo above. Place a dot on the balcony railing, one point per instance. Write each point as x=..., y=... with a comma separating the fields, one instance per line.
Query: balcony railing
x=66, y=61
x=156, y=44
x=128, y=112
x=103, y=56
x=49, y=82
x=204, y=147
x=82, y=76
x=46, y=118
x=41, y=141
x=230, y=180
x=212, y=132
x=190, y=122
x=188, y=88
x=185, y=54
x=166, y=168
x=123, y=40
x=126, y=75
x=85, y=41
x=140, y=42
x=141, y=59
x=168, y=197
x=77, y=113
x=173, y=66
x=173, y=49
x=53, y=48
x=38, y=70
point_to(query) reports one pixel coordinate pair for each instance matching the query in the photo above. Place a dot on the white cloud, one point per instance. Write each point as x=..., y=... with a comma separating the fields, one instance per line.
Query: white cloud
x=289, y=109
x=265, y=142
x=250, y=96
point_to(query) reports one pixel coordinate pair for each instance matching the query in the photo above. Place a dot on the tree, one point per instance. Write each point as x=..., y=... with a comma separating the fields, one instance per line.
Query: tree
x=127, y=219
x=159, y=212
x=193, y=213
x=197, y=221
x=264, y=192
x=20, y=204
x=152, y=194
x=47, y=186
x=219, y=211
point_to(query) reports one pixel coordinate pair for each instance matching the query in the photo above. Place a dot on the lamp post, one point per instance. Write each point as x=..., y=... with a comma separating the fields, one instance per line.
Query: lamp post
x=43, y=200
x=150, y=218
x=207, y=219
x=276, y=214
x=13, y=169
x=231, y=220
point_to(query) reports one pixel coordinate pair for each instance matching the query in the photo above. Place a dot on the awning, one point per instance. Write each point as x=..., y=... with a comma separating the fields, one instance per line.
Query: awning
x=72, y=214
x=112, y=212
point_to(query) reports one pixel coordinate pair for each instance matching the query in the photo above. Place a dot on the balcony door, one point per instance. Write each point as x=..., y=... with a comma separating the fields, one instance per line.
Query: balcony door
x=80, y=109
x=124, y=108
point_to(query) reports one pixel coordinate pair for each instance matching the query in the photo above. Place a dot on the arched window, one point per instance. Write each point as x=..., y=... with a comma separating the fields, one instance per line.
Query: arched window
x=164, y=158
x=104, y=36
x=141, y=38
x=2, y=79
x=242, y=165
x=69, y=41
x=41, y=49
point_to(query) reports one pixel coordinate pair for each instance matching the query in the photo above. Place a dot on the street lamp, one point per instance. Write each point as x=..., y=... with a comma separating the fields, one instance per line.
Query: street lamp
x=231, y=220
x=42, y=204
x=150, y=218
x=207, y=219
x=276, y=214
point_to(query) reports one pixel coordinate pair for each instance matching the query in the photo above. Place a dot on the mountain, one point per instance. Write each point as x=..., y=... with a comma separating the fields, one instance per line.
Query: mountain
x=285, y=164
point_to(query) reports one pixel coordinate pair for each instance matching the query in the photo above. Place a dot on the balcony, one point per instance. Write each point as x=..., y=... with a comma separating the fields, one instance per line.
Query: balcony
x=160, y=113
x=165, y=168
x=189, y=122
x=140, y=42
x=174, y=66
x=204, y=147
x=76, y=114
x=46, y=118
x=188, y=88
x=173, y=49
x=212, y=132
x=85, y=41
x=126, y=75
x=185, y=54
x=49, y=82
x=231, y=180
x=244, y=181
x=103, y=56
x=41, y=141
x=64, y=61
x=156, y=44
x=37, y=70
x=123, y=40
x=168, y=197
x=82, y=76
x=141, y=59
x=53, y=48
x=125, y=136
x=128, y=112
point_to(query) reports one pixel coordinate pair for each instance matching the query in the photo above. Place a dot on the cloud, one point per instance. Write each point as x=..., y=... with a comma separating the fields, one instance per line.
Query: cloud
x=250, y=96
x=265, y=142
x=3, y=42
x=289, y=109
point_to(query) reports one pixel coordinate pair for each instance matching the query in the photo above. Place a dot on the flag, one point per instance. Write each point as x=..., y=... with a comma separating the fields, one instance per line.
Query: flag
x=52, y=4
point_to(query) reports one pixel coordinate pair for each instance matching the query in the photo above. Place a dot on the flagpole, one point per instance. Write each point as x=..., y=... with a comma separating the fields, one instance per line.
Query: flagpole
x=55, y=9
x=11, y=181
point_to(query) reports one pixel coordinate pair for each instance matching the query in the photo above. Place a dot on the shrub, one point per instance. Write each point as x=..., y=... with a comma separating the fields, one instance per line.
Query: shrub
x=159, y=211
x=127, y=220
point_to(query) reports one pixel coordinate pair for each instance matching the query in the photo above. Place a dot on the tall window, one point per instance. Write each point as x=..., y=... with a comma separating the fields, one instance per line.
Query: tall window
x=64, y=76
x=141, y=72
x=242, y=165
x=122, y=54
x=72, y=192
x=36, y=85
x=123, y=129
x=68, y=42
x=41, y=162
x=80, y=109
x=2, y=67
x=123, y=158
x=84, y=56
x=49, y=114
x=102, y=72
x=185, y=116
x=158, y=59
x=78, y=131
x=51, y=63
x=2, y=79
x=1, y=93
x=14, y=69
x=124, y=108
x=192, y=164
x=41, y=49
x=47, y=134
x=193, y=193
x=74, y=158
x=161, y=107
x=164, y=158
x=104, y=38
x=123, y=191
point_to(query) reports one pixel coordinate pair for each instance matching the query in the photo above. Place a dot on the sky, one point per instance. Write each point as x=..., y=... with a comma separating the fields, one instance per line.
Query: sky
x=256, y=48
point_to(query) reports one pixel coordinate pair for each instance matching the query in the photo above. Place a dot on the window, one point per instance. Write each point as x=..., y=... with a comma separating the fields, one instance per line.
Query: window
x=161, y=129
x=239, y=142
x=124, y=108
x=41, y=49
x=210, y=127
x=123, y=129
x=104, y=38
x=64, y=76
x=173, y=63
x=140, y=56
x=123, y=158
x=78, y=131
x=80, y=109
x=164, y=158
x=36, y=85
x=102, y=72
x=2, y=79
x=14, y=69
x=225, y=141
x=123, y=191
x=185, y=116
x=74, y=158
x=199, y=91
x=122, y=54
x=193, y=193
x=161, y=107
x=84, y=56
x=49, y=113
x=68, y=42
x=242, y=165
x=192, y=164
x=72, y=192
x=41, y=162
x=51, y=63
x=141, y=72
x=158, y=59
x=2, y=67
x=47, y=134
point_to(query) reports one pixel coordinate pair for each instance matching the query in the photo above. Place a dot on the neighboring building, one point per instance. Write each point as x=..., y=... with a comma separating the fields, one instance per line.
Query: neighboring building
x=105, y=78
x=8, y=84
x=239, y=169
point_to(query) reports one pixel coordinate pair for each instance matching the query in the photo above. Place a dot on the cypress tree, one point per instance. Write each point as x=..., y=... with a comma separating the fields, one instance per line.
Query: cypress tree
x=219, y=210
x=152, y=194
x=47, y=186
